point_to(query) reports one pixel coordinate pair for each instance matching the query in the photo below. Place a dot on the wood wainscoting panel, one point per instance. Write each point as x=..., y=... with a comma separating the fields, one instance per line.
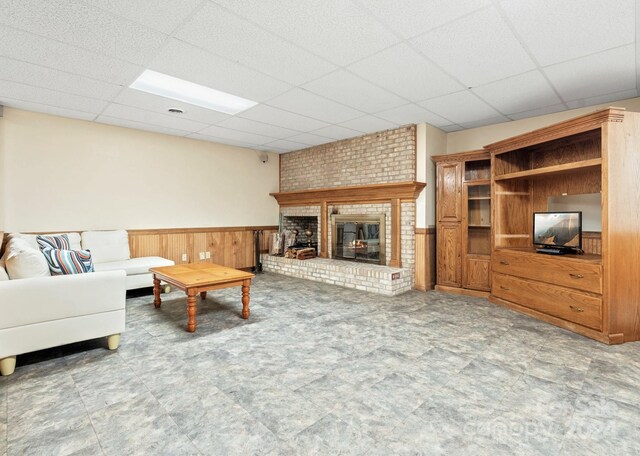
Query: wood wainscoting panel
x=228, y=246
x=425, y=262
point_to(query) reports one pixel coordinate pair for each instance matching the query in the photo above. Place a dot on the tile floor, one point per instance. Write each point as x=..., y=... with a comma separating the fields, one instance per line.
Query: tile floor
x=319, y=369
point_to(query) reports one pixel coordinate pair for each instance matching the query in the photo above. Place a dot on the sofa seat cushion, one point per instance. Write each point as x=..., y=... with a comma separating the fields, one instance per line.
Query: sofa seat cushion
x=134, y=266
x=107, y=246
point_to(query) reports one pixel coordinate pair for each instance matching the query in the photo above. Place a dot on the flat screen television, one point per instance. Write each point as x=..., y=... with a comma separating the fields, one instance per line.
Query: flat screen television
x=562, y=230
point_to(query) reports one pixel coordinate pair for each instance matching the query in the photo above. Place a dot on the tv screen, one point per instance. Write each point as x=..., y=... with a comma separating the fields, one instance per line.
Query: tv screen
x=558, y=229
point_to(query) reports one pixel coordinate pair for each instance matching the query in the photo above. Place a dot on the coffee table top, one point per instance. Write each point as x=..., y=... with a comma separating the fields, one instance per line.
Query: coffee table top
x=200, y=274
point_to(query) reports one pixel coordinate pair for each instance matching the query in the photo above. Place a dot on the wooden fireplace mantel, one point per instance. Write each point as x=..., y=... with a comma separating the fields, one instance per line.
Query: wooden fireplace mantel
x=404, y=191
x=394, y=193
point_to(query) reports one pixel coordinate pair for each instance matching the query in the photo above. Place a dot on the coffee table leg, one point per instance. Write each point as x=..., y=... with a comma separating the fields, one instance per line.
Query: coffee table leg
x=156, y=292
x=191, y=311
x=203, y=295
x=245, y=299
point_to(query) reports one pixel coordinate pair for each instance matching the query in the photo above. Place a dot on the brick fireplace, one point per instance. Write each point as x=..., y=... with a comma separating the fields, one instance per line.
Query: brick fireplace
x=321, y=185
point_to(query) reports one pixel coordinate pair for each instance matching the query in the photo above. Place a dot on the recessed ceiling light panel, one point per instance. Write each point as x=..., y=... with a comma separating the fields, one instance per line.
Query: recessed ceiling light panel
x=188, y=92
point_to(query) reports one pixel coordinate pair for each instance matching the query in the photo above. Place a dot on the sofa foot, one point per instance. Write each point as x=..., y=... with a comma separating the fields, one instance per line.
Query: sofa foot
x=7, y=365
x=113, y=341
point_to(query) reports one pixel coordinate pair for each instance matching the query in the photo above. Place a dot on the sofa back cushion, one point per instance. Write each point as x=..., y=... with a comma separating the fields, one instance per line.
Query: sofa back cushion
x=107, y=246
x=23, y=261
x=32, y=239
x=60, y=241
x=64, y=262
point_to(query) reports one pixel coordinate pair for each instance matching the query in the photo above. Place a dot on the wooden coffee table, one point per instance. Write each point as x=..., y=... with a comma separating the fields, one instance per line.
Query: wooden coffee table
x=200, y=278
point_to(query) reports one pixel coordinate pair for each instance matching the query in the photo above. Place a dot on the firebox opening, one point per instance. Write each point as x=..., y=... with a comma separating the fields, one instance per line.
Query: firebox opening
x=358, y=238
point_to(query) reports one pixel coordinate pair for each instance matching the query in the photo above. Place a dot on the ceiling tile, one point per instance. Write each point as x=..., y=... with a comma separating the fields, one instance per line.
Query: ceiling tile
x=412, y=113
x=223, y=33
x=519, y=93
x=39, y=76
x=557, y=31
x=484, y=48
x=155, y=14
x=461, y=107
x=603, y=99
x=245, y=137
x=77, y=23
x=309, y=139
x=140, y=126
x=451, y=128
x=413, y=17
x=308, y=104
x=485, y=122
x=160, y=105
x=369, y=124
x=31, y=48
x=286, y=145
x=152, y=118
x=35, y=107
x=259, y=128
x=227, y=141
x=337, y=132
x=538, y=112
x=597, y=74
x=337, y=30
x=405, y=72
x=187, y=62
x=39, y=95
x=285, y=119
x=278, y=150
x=348, y=89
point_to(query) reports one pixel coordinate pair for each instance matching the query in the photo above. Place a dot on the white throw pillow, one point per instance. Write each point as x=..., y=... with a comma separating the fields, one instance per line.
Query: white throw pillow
x=74, y=239
x=106, y=246
x=23, y=262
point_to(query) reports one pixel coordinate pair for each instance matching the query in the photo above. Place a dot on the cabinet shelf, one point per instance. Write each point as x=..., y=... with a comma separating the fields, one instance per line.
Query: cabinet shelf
x=479, y=198
x=479, y=226
x=550, y=170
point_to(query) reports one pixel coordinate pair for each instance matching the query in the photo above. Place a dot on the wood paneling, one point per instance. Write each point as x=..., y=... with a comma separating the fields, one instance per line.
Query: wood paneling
x=425, y=265
x=227, y=247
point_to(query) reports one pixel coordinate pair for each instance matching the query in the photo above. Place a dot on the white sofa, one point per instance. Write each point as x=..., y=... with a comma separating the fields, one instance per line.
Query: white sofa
x=39, y=311
x=44, y=312
x=110, y=252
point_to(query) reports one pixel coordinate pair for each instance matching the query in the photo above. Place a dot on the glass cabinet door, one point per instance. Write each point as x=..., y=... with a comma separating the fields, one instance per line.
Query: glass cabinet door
x=479, y=219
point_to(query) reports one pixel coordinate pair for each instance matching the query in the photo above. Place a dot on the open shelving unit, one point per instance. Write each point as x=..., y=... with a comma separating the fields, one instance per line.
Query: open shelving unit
x=592, y=294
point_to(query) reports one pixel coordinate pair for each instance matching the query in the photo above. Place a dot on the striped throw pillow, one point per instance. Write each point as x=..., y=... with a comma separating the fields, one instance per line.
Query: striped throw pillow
x=63, y=262
x=60, y=241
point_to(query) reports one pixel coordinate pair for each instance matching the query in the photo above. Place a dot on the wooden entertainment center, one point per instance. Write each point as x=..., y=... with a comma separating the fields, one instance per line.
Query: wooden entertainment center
x=594, y=294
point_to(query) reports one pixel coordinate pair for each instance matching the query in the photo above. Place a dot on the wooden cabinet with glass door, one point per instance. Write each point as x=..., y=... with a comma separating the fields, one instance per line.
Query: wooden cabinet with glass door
x=464, y=219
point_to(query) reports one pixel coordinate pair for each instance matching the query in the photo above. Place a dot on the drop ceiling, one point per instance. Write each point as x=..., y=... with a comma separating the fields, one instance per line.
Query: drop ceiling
x=319, y=70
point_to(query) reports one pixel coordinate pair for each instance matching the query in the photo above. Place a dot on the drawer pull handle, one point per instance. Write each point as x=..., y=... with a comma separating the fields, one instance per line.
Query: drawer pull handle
x=506, y=263
x=576, y=309
x=504, y=288
x=576, y=276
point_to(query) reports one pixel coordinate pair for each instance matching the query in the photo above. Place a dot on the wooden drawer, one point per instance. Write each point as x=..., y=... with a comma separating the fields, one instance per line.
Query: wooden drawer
x=583, y=276
x=560, y=302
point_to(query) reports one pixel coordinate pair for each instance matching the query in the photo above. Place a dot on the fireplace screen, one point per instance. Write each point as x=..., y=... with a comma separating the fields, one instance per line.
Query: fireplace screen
x=359, y=238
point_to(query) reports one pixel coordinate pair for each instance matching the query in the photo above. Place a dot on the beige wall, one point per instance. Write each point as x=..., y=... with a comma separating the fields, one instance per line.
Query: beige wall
x=430, y=141
x=476, y=138
x=65, y=174
x=1, y=171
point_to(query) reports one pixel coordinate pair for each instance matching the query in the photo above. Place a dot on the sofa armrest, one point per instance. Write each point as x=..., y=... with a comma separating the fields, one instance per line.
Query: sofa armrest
x=41, y=299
